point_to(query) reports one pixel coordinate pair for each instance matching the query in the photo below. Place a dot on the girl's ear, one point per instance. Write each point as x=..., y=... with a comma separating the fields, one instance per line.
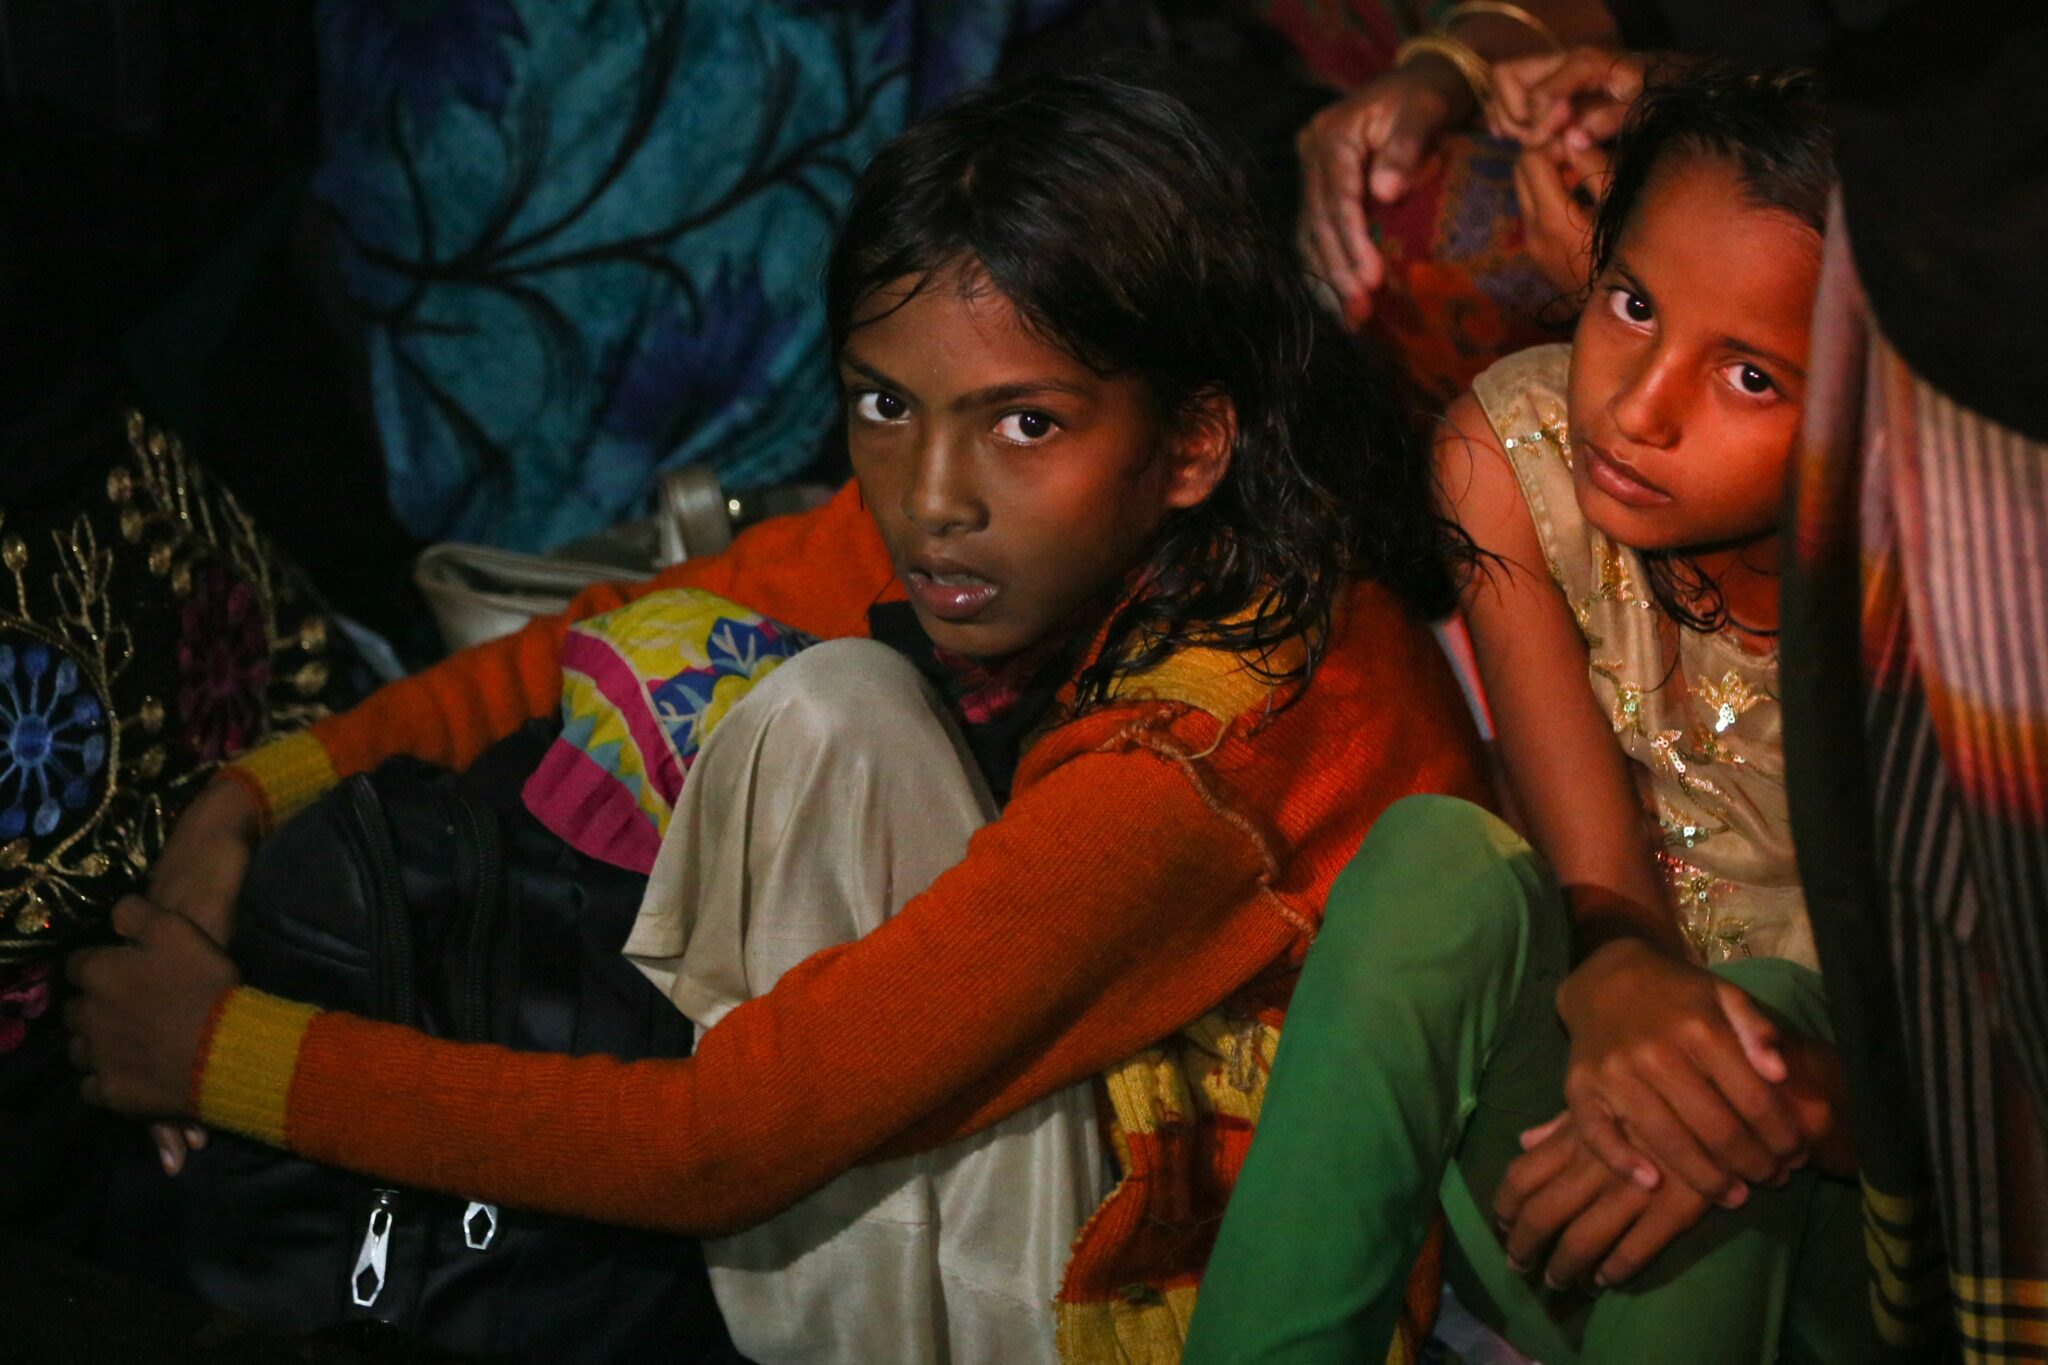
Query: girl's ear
x=1203, y=434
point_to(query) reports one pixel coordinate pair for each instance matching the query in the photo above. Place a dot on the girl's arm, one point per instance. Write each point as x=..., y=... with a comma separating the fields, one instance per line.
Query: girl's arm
x=1017, y=972
x=1569, y=779
x=818, y=571
x=1113, y=902
x=1658, y=1046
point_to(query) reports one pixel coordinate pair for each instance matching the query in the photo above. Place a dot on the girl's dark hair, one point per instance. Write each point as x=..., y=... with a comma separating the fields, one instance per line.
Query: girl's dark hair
x=1771, y=125
x=1117, y=227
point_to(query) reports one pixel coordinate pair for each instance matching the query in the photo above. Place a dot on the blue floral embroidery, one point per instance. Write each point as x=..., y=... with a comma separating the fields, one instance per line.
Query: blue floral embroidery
x=53, y=738
x=737, y=649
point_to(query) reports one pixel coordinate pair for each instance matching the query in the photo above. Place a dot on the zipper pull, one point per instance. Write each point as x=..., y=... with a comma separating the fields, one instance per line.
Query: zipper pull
x=479, y=1225
x=366, y=1282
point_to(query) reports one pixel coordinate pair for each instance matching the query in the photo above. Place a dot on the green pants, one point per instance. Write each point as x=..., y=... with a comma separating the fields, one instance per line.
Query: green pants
x=1421, y=1041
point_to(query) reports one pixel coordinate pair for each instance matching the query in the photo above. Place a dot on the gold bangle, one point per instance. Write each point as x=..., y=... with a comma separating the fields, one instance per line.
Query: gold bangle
x=1504, y=10
x=1469, y=64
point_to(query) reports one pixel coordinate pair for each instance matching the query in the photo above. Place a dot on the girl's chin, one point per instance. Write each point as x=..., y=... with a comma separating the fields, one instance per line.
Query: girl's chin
x=982, y=641
x=1632, y=526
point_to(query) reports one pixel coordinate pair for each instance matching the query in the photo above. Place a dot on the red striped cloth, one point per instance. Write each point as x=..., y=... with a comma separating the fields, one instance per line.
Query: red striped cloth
x=1920, y=582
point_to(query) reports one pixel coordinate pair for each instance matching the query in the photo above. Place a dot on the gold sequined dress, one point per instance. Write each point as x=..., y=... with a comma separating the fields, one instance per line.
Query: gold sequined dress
x=1703, y=735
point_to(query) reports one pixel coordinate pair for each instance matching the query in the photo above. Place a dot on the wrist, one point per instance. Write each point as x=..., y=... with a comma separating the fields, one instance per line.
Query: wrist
x=247, y=1055
x=1495, y=38
x=232, y=804
x=1593, y=978
x=1447, y=84
x=283, y=776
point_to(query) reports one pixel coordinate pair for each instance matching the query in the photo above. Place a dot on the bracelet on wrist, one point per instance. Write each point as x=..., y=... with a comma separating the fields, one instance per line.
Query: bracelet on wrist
x=1469, y=65
x=1502, y=9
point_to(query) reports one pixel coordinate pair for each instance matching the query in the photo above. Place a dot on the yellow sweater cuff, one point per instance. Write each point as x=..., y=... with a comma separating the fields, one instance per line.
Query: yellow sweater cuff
x=287, y=773
x=245, y=1078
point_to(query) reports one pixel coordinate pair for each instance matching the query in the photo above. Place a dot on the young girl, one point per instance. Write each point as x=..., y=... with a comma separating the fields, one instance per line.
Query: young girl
x=1164, y=557
x=1658, y=977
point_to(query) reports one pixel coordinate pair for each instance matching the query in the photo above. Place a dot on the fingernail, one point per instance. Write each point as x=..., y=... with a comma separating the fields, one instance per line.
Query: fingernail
x=1646, y=1177
x=1576, y=139
x=167, y=1158
x=1552, y=1282
x=1736, y=1196
x=1520, y=1267
x=1600, y=1280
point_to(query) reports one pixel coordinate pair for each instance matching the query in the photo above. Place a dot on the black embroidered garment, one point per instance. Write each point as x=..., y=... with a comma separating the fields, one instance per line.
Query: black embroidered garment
x=148, y=631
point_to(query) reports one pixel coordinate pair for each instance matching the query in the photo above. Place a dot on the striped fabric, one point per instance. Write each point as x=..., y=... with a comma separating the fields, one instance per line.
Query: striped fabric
x=1937, y=520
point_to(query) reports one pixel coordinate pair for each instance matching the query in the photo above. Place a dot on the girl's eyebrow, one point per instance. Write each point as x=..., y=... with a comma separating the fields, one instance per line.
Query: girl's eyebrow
x=849, y=361
x=978, y=398
x=1010, y=393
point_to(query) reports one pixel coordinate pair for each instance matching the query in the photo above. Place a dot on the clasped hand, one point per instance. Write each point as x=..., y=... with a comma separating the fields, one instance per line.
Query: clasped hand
x=132, y=1030
x=139, y=1013
x=1680, y=1097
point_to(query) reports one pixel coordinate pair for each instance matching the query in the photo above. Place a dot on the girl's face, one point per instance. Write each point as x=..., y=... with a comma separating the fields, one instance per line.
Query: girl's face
x=1689, y=364
x=1010, y=482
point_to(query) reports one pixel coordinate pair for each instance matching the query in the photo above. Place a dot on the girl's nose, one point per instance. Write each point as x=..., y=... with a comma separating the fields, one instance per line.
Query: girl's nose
x=1648, y=408
x=943, y=497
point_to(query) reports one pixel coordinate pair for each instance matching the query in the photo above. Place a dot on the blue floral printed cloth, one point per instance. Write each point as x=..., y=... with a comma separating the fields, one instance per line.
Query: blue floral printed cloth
x=587, y=235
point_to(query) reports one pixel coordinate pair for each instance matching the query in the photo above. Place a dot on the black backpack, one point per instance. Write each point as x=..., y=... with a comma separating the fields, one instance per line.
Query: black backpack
x=436, y=900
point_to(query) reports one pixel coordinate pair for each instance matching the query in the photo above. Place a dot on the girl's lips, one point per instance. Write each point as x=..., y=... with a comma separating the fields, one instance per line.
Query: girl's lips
x=1618, y=481
x=960, y=597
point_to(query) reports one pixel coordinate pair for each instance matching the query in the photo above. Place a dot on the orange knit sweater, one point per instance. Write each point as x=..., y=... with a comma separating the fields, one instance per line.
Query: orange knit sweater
x=1161, y=859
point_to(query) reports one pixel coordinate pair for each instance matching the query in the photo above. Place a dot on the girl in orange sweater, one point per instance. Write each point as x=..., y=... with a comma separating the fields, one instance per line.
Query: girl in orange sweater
x=1146, y=527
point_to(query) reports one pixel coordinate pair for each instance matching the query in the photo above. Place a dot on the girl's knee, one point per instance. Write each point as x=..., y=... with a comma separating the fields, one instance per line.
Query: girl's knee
x=1446, y=870
x=836, y=693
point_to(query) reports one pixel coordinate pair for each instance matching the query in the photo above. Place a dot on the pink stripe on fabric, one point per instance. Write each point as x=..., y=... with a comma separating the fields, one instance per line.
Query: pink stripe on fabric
x=586, y=806
x=619, y=684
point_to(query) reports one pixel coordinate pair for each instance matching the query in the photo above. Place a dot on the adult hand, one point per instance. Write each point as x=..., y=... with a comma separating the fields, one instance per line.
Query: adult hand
x=1560, y=1194
x=1557, y=214
x=200, y=871
x=1672, y=1067
x=1577, y=98
x=1375, y=139
x=141, y=1008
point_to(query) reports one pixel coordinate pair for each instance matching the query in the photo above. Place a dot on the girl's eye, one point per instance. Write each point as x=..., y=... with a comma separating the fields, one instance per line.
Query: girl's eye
x=1629, y=306
x=1746, y=378
x=1026, y=428
x=873, y=405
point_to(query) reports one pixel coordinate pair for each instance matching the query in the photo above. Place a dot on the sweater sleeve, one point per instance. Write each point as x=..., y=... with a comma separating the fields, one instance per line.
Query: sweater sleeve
x=1109, y=906
x=817, y=571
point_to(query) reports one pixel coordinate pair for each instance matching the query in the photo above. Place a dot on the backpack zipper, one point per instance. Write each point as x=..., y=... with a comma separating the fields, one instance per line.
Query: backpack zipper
x=399, y=990
x=486, y=892
x=366, y=1281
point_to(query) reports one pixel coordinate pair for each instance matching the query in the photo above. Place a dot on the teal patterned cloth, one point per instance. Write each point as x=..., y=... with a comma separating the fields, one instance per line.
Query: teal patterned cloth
x=587, y=236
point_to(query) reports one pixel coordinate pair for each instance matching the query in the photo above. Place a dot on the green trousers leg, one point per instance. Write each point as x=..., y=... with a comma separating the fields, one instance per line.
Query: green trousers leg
x=1421, y=1041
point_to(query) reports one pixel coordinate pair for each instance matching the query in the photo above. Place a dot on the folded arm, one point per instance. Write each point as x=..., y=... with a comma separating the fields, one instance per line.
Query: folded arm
x=1107, y=908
